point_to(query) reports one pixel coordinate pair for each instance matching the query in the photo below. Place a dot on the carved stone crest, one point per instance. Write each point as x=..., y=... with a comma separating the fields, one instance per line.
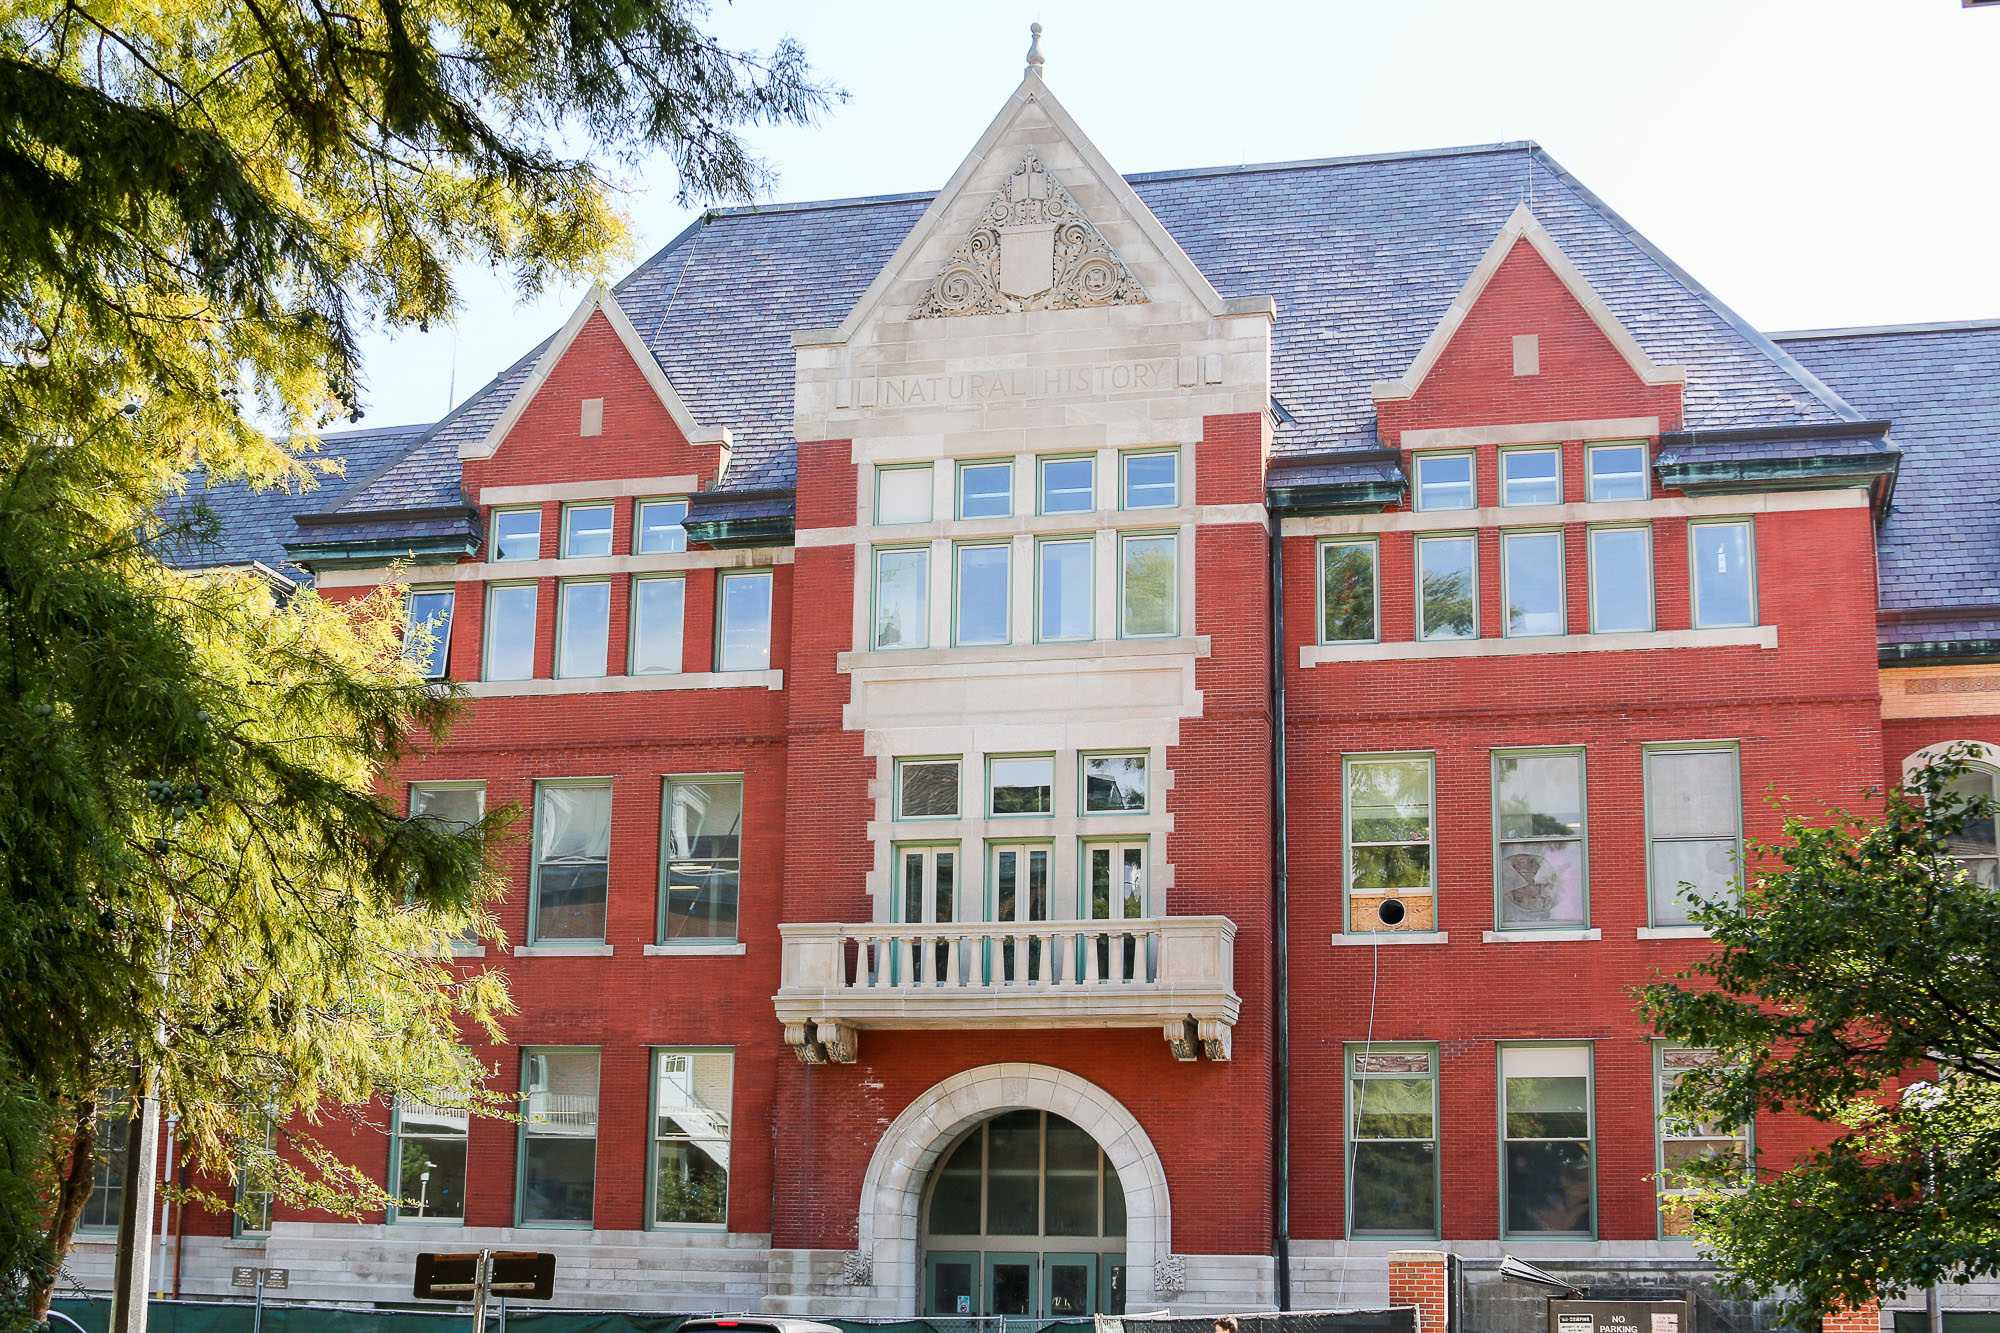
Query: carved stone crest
x=857, y=1269
x=1032, y=249
x=1170, y=1276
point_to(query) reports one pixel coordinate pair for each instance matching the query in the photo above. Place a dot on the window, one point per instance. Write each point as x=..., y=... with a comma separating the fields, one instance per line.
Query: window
x=1694, y=827
x=1974, y=846
x=1064, y=593
x=985, y=490
x=457, y=806
x=1020, y=786
x=1152, y=481
x=927, y=789
x=586, y=530
x=517, y=534
x=1114, y=784
x=659, y=617
x=1548, y=1184
x=1389, y=843
x=430, y=612
x=1347, y=592
x=658, y=526
x=1722, y=556
x=1538, y=840
x=691, y=1109
x=558, y=1136
x=1683, y=1143
x=982, y=609
x=1531, y=583
x=510, y=631
x=572, y=862
x=1621, y=580
x=903, y=495
x=902, y=597
x=744, y=640
x=253, y=1183
x=1530, y=477
x=107, y=1169
x=1149, y=586
x=1448, y=588
x=1115, y=875
x=701, y=859
x=583, y=628
x=429, y=1165
x=1392, y=1176
x=1616, y=471
x=1069, y=485
x=1444, y=481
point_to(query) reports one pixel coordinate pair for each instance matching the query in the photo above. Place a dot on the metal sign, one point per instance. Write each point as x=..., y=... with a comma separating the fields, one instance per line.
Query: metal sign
x=271, y=1279
x=522, y=1274
x=1574, y=1316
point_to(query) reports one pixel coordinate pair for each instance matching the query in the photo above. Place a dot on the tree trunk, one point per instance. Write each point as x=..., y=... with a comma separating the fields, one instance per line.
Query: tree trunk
x=77, y=1152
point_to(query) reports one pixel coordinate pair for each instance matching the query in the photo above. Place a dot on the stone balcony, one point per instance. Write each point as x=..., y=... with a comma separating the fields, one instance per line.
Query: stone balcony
x=1175, y=974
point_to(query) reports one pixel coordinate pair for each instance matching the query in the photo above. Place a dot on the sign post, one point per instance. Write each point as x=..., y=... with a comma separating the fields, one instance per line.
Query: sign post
x=262, y=1279
x=478, y=1275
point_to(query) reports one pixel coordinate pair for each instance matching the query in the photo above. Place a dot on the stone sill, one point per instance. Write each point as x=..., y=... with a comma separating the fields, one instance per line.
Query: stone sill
x=666, y=680
x=1394, y=937
x=468, y=951
x=562, y=951
x=1194, y=645
x=718, y=950
x=1539, y=936
x=1673, y=933
x=1326, y=654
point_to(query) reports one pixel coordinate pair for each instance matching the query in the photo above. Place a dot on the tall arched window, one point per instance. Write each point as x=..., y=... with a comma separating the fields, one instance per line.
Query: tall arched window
x=1975, y=844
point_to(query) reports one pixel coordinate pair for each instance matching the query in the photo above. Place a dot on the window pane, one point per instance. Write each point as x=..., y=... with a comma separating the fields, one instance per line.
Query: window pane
x=1021, y=786
x=927, y=789
x=1541, y=884
x=703, y=850
x=955, y=1201
x=586, y=627
x=1692, y=793
x=1621, y=580
x=660, y=526
x=510, y=631
x=1347, y=592
x=517, y=534
x=903, y=495
x=691, y=1183
x=982, y=594
x=573, y=850
x=1548, y=1187
x=1389, y=800
x=1405, y=867
x=1541, y=795
x=1534, y=583
x=1691, y=870
x=659, y=616
x=1975, y=836
x=559, y=1156
x=1529, y=477
x=101, y=1210
x=587, y=530
x=1539, y=799
x=430, y=1165
x=746, y=623
x=1013, y=1161
x=1444, y=481
x=1445, y=571
x=1392, y=1108
x=1114, y=783
x=1067, y=485
x=1395, y=1188
x=1618, y=472
x=456, y=808
x=986, y=490
x=430, y=609
x=1072, y=1180
x=1152, y=481
x=1722, y=575
x=902, y=598
x=691, y=1106
x=1065, y=590
x=1149, y=586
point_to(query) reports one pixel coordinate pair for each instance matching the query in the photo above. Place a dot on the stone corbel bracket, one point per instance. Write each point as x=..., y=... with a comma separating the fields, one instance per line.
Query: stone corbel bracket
x=823, y=1041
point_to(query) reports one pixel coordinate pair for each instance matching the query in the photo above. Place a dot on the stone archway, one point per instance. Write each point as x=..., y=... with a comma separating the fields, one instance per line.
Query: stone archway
x=892, y=1190
x=1979, y=752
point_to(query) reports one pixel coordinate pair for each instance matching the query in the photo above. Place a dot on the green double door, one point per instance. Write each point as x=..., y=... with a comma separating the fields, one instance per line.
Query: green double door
x=1051, y=1284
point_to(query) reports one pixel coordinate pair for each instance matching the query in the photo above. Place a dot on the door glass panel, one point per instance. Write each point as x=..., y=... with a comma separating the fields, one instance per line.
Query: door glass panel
x=1069, y=1287
x=1013, y=1289
x=952, y=1285
x=944, y=887
x=913, y=886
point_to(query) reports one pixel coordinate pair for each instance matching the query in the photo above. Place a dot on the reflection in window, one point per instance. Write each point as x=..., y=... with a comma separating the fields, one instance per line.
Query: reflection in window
x=1114, y=784
x=510, y=631
x=1538, y=801
x=583, y=616
x=659, y=615
x=1064, y=602
x=430, y=614
x=586, y=530
x=1152, y=481
x=1389, y=843
x=1347, y=592
x=517, y=534
x=985, y=490
x=744, y=643
x=430, y=1162
x=1617, y=472
x=1724, y=589
x=701, y=861
x=1444, y=481
x=1546, y=1125
x=1448, y=606
x=902, y=597
x=1685, y=1143
x=558, y=1135
x=1149, y=586
x=1022, y=786
x=983, y=573
x=1530, y=477
x=692, y=1100
x=1621, y=580
x=1532, y=565
x=1392, y=1122
x=1069, y=485
x=572, y=861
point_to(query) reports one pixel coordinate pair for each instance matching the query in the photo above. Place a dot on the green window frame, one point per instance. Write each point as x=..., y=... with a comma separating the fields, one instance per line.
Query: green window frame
x=1048, y=803
x=1663, y=833
x=1164, y=627
x=494, y=537
x=1172, y=484
x=1544, y=836
x=1102, y=758
x=645, y=589
x=1669, y=1063
x=1517, y=491
x=706, y=872
x=1597, y=617
x=579, y=854
x=1602, y=485
x=1088, y=545
x=574, y=661
x=107, y=1170
x=1342, y=550
x=1391, y=1142
x=1543, y=1062
x=1419, y=899
x=1522, y=539
x=1434, y=495
x=558, y=1122
x=1044, y=492
x=748, y=655
x=1005, y=466
x=534, y=609
x=597, y=532
x=906, y=764
x=431, y=606
x=1710, y=618
x=251, y=1215
x=1426, y=632
x=918, y=635
x=402, y=1139
x=926, y=488
x=673, y=536
x=689, y=1137
x=958, y=553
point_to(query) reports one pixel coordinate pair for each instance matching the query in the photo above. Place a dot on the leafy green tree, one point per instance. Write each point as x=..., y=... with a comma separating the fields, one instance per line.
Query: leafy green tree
x=1855, y=983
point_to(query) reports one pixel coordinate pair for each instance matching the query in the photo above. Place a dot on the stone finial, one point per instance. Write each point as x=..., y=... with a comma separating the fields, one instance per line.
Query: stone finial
x=1035, y=58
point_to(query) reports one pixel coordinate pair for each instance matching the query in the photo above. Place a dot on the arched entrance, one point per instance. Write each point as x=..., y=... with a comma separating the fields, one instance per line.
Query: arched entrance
x=1024, y=1216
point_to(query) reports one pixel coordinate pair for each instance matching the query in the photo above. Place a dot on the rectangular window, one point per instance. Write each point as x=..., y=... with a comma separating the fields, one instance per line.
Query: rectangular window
x=902, y=597
x=1023, y=785
x=1149, y=586
x=1549, y=1182
x=926, y=891
x=457, y=806
x=1069, y=485
x=985, y=490
x=429, y=1165
x=692, y=1100
x=982, y=600
x=744, y=613
x=1115, y=875
x=430, y=613
x=253, y=1186
x=1064, y=590
x=583, y=628
x=1114, y=784
x=1152, y=480
x=586, y=530
x=1390, y=843
x=510, y=631
x=1616, y=472
x=1530, y=477
x=1621, y=580
x=107, y=1169
x=659, y=618
x=1347, y=592
x=1976, y=845
x=658, y=526
x=572, y=862
x=1447, y=588
x=1723, y=557
x=1694, y=828
x=517, y=534
x=558, y=1136
x=1531, y=582
x=1444, y=481
x=701, y=859
x=927, y=789
x=1538, y=840
x=1392, y=1181
x=903, y=495
x=1684, y=1143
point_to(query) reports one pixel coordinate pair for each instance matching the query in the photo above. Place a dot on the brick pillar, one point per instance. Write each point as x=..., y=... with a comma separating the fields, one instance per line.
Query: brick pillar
x=1864, y=1318
x=1417, y=1277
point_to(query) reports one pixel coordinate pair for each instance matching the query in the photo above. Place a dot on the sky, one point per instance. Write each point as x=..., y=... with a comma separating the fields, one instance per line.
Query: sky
x=1812, y=162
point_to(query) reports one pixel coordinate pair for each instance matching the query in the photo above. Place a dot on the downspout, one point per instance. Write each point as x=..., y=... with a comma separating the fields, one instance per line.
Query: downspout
x=1281, y=977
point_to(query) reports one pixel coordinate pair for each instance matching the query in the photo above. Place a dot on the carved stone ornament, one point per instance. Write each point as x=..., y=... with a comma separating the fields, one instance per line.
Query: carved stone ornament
x=1170, y=1276
x=1032, y=249
x=857, y=1269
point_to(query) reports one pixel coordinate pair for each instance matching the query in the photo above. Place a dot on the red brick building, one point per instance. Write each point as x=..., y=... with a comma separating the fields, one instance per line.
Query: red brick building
x=1096, y=742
